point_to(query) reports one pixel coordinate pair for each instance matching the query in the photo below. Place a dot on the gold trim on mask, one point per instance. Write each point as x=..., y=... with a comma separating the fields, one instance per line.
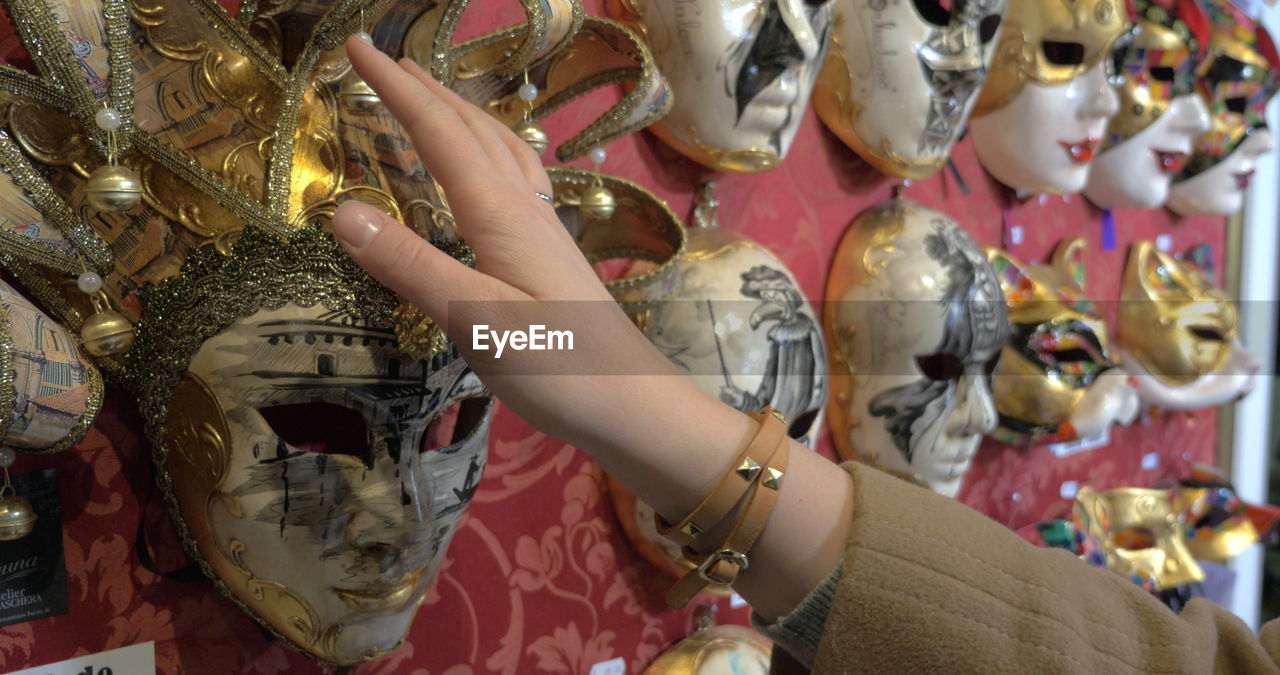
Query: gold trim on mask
x=1172, y=320
x=1141, y=535
x=1020, y=55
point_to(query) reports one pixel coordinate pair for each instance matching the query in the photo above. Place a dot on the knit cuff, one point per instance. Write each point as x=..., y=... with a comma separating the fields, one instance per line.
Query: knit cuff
x=798, y=633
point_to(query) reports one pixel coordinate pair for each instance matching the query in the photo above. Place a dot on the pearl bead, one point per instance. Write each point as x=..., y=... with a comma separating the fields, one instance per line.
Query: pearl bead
x=598, y=155
x=365, y=36
x=7, y=457
x=89, y=282
x=108, y=119
x=528, y=92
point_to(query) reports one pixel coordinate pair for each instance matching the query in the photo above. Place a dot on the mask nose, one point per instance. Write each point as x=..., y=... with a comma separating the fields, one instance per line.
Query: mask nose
x=955, y=49
x=795, y=16
x=1099, y=100
x=1261, y=142
x=373, y=538
x=975, y=411
x=1192, y=115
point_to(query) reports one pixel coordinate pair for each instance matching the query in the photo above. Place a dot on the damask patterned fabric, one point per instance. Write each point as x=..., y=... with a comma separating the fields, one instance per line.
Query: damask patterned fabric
x=539, y=577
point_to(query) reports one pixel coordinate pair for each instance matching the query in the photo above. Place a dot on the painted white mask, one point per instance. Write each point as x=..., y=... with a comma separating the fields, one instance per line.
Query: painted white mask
x=1238, y=79
x=1161, y=113
x=740, y=71
x=902, y=109
x=916, y=322
x=1048, y=96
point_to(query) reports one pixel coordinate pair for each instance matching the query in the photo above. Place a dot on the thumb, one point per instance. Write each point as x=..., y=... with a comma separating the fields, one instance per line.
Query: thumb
x=406, y=263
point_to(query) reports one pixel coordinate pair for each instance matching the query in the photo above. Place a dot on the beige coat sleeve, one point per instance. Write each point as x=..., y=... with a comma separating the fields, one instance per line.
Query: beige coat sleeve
x=930, y=586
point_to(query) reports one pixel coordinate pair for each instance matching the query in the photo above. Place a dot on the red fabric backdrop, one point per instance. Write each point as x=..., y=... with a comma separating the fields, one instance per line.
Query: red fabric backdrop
x=539, y=577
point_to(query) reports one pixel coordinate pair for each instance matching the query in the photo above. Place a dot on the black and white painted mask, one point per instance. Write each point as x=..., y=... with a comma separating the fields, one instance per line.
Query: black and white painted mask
x=741, y=72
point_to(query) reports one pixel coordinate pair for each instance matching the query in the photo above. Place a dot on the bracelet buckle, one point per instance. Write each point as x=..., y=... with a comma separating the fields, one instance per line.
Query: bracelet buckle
x=707, y=569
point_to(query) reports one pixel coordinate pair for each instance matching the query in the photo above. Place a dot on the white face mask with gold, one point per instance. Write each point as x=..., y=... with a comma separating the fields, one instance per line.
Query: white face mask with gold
x=740, y=72
x=915, y=321
x=901, y=77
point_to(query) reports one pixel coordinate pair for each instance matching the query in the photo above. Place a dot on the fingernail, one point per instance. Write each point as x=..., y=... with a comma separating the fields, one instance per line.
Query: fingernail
x=356, y=224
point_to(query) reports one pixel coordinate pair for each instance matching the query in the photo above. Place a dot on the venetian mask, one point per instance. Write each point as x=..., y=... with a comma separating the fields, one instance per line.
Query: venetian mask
x=1179, y=334
x=1056, y=380
x=916, y=322
x=1141, y=534
x=1240, y=76
x=1149, y=140
x=901, y=109
x=1048, y=94
x=1217, y=522
x=317, y=439
x=740, y=71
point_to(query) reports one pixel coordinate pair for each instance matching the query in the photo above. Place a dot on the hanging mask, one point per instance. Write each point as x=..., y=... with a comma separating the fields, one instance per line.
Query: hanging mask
x=316, y=439
x=916, y=322
x=902, y=109
x=1240, y=76
x=1149, y=140
x=1218, y=523
x=1141, y=533
x=1042, y=112
x=735, y=321
x=1179, y=334
x=1056, y=380
x=740, y=71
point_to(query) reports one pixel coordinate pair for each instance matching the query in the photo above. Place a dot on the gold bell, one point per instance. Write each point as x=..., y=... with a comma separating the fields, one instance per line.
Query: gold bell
x=357, y=97
x=106, y=332
x=113, y=188
x=17, y=518
x=531, y=133
x=597, y=203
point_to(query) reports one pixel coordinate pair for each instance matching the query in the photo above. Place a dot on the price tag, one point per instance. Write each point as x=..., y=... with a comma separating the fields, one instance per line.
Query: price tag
x=1080, y=445
x=736, y=601
x=137, y=659
x=616, y=666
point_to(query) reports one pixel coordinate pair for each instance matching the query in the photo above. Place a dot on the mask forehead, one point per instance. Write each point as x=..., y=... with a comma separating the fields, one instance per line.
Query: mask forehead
x=1142, y=536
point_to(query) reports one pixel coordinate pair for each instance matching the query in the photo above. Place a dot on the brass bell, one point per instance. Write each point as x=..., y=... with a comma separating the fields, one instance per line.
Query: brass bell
x=113, y=188
x=531, y=133
x=106, y=332
x=17, y=518
x=357, y=97
x=597, y=203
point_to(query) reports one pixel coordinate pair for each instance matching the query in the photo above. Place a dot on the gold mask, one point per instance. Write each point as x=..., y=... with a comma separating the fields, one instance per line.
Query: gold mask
x=1217, y=522
x=1172, y=320
x=1157, y=66
x=1058, y=347
x=1049, y=42
x=1141, y=533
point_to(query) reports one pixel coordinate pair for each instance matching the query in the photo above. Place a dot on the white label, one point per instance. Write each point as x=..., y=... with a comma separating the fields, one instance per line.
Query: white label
x=1164, y=242
x=1080, y=444
x=137, y=659
x=1069, y=489
x=1151, y=461
x=736, y=601
x=616, y=666
x=1016, y=235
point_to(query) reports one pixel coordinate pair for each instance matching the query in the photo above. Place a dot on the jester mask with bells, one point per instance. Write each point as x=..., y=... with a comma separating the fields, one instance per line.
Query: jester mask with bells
x=1179, y=334
x=1048, y=94
x=1240, y=76
x=1141, y=535
x=317, y=441
x=915, y=322
x=1056, y=380
x=741, y=72
x=1150, y=138
x=901, y=77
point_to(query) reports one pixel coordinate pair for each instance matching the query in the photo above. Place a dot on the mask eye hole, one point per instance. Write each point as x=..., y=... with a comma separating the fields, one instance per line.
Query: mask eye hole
x=1236, y=104
x=1162, y=74
x=1063, y=53
x=323, y=428
x=941, y=366
x=1207, y=333
x=455, y=423
x=1134, y=538
x=987, y=29
x=816, y=3
x=1073, y=355
x=933, y=12
x=801, y=424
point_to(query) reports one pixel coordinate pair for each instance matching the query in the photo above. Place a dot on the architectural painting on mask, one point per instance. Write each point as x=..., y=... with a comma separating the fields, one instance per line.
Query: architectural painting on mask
x=915, y=323
x=1056, y=380
x=1042, y=113
x=1149, y=140
x=740, y=71
x=901, y=77
x=1180, y=334
x=1237, y=80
